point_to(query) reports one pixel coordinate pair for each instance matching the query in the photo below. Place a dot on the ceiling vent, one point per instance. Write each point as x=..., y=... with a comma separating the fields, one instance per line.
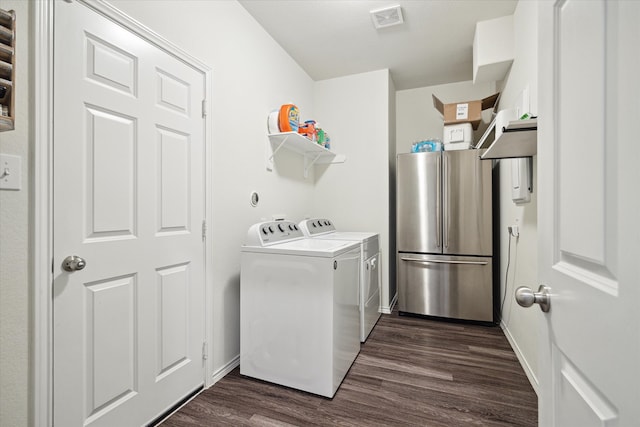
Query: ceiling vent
x=387, y=17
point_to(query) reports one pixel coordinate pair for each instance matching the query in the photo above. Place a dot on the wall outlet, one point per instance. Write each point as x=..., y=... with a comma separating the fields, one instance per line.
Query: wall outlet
x=514, y=231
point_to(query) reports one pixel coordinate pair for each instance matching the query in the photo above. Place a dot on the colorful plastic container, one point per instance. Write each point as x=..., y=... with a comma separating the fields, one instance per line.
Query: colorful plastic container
x=289, y=118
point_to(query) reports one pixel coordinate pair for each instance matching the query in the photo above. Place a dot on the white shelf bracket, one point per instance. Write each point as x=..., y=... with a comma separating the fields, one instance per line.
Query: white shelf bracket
x=308, y=165
x=277, y=148
x=274, y=152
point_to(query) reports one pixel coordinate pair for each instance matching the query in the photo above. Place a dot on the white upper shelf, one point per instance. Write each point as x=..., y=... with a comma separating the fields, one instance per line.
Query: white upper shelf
x=312, y=152
x=519, y=139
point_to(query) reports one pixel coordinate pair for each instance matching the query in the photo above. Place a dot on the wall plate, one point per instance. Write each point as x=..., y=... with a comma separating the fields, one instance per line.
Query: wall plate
x=10, y=172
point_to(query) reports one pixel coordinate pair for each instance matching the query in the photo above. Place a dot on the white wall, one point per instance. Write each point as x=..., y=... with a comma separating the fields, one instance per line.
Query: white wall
x=355, y=111
x=251, y=76
x=520, y=323
x=14, y=242
x=417, y=119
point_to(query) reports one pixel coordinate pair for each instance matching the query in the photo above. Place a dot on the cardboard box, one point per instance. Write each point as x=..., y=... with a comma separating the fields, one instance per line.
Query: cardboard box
x=466, y=111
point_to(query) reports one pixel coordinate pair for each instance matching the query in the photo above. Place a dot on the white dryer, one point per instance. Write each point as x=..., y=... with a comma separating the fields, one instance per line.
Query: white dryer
x=369, y=292
x=299, y=323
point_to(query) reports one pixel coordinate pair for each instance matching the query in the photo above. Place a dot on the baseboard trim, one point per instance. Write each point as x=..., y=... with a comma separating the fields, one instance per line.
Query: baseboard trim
x=523, y=362
x=222, y=372
x=389, y=309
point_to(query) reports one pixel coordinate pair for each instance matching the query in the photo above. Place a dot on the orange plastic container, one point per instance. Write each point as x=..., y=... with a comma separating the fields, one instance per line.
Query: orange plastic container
x=288, y=118
x=308, y=129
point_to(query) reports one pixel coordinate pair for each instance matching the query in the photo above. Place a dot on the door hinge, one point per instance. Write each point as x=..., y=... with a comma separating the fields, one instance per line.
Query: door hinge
x=204, y=229
x=205, y=351
x=204, y=108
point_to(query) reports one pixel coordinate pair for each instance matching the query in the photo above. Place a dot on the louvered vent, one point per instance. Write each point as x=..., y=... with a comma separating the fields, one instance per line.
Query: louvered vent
x=387, y=17
x=7, y=69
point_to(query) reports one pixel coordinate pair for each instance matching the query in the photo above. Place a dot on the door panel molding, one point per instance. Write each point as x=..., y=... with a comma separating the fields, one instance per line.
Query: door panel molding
x=101, y=70
x=582, y=393
x=581, y=180
x=584, y=193
x=41, y=380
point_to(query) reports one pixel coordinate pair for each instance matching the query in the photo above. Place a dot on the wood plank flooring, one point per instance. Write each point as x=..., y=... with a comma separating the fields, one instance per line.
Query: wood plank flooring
x=410, y=372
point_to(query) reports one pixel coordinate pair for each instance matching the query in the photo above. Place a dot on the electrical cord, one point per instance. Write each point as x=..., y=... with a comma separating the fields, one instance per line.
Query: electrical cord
x=506, y=276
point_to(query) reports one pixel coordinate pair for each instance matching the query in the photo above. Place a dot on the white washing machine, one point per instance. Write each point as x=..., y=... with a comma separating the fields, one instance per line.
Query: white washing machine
x=369, y=292
x=299, y=324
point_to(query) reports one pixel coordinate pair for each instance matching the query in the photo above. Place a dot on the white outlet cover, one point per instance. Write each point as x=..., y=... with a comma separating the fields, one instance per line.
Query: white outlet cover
x=10, y=172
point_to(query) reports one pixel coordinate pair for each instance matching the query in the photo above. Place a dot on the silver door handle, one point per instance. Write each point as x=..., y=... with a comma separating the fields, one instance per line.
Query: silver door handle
x=73, y=263
x=446, y=203
x=437, y=261
x=439, y=202
x=525, y=297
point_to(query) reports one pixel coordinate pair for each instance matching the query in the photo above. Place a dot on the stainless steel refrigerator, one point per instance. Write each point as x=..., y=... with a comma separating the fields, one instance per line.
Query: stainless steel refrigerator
x=444, y=235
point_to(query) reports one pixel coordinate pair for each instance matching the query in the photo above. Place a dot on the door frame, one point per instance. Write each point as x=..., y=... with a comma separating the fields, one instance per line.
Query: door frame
x=41, y=238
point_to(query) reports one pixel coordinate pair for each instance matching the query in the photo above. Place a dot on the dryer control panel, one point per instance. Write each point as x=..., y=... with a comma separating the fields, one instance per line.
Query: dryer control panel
x=270, y=232
x=317, y=226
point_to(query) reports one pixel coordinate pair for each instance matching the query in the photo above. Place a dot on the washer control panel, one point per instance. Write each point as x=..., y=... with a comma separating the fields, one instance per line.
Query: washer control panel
x=316, y=226
x=270, y=232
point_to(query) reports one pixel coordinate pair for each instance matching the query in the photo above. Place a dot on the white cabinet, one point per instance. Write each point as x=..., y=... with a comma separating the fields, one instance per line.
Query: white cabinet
x=493, y=49
x=312, y=152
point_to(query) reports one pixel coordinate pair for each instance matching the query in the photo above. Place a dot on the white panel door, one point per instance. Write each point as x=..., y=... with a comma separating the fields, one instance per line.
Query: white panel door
x=589, y=247
x=129, y=199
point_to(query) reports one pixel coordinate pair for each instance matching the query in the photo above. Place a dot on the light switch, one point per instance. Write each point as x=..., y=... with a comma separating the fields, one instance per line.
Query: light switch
x=10, y=172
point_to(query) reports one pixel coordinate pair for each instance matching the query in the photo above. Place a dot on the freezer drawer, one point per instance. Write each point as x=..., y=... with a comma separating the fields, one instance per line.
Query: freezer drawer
x=446, y=286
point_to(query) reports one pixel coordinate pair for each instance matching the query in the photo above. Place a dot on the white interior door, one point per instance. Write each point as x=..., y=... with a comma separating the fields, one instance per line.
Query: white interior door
x=589, y=163
x=129, y=199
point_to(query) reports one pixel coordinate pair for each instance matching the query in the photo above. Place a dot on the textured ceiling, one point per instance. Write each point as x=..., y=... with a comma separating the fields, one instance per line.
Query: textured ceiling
x=334, y=38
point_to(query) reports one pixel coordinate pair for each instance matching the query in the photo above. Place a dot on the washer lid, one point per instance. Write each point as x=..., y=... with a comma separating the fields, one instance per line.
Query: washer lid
x=307, y=247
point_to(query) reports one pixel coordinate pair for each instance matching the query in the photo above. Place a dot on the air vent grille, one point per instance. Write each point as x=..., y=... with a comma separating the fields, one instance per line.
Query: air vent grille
x=387, y=17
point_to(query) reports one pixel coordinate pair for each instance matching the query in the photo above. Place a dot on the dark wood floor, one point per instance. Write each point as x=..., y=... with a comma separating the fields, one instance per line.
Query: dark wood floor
x=410, y=372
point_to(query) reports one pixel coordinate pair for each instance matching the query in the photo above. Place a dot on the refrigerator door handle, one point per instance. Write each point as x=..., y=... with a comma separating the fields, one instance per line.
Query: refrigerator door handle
x=445, y=202
x=439, y=202
x=437, y=261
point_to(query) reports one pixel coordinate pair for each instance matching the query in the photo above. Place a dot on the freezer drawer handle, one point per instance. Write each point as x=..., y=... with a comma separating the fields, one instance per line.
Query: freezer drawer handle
x=437, y=261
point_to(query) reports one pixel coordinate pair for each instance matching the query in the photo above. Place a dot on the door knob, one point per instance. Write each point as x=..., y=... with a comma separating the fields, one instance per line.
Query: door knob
x=73, y=263
x=526, y=297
